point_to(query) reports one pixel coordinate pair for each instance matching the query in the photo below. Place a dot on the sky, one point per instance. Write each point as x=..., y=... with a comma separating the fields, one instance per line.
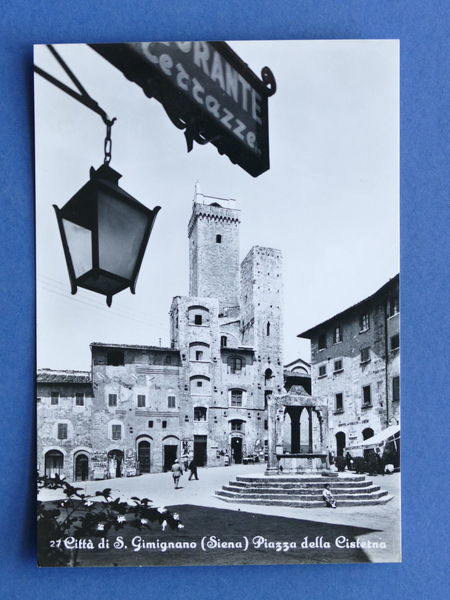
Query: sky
x=330, y=201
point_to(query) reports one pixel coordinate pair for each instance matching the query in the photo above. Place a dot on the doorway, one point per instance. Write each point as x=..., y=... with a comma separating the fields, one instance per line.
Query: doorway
x=367, y=433
x=54, y=462
x=81, y=467
x=115, y=463
x=236, y=450
x=200, y=450
x=170, y=455
x=340, y=443
x=144, y=456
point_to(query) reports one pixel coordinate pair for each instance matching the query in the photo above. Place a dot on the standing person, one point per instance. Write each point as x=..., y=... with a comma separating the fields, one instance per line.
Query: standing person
x=328, y=496
x=185, y=461
x=177, y=472
x=193, y=469
x=380, y=461
x=348, y=461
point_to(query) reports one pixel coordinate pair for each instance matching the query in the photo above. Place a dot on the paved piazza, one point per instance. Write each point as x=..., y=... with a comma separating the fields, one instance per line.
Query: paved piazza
x=158, y=487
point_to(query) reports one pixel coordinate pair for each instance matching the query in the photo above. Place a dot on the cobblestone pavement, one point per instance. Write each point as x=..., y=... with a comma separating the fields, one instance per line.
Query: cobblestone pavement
x=384, y=519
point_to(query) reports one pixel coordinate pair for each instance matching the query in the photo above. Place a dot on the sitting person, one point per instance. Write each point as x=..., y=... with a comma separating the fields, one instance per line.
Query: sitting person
x=328, y=496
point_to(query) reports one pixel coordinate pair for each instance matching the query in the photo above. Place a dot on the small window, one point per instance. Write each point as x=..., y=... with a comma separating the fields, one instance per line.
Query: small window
x=171, y=401
x=199, y=383
x=395, y=342
x=54, y=398
x=322, y=370
x=116, y=432
x=337, y=335
x=223, y=341
x=367, y=399
x=199, y=413
x=396, y=389
x=365, y=355
x=266, y=424
x=198, y=355
x=150, y=424
x=79, y=399
x=268, y=328
x=198, y=319
x=236, y=425
x=338, y=365
x=364, y=322
x=393, y=306
x=267, y=394
x=164, y=424
x=115, y=358
x=218, y=239
x=62, y=431
x=235, y=364
x=112, y=400
x=236, y=397
x=322, y=341
x=141, y=401
x=339, y=402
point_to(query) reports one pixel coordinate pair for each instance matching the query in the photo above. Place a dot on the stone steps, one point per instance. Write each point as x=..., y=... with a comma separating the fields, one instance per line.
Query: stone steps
x=303, y=485
x=231, y=494
x=296, y=478
x=303, y=491
x=300, y=491
x=305, y=503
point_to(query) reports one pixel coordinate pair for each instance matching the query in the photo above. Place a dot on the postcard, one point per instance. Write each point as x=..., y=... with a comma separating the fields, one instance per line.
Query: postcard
x=218, y=336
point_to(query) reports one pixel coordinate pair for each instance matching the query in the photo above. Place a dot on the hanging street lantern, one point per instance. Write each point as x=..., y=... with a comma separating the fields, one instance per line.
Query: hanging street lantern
x=104, y=232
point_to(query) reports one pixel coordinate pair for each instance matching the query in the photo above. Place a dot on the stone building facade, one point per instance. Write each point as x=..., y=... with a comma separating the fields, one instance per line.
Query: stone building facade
x=355, y=367
x=205, y=396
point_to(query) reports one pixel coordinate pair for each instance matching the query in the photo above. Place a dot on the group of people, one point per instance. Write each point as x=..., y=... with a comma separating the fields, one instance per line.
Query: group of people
x=178, y=468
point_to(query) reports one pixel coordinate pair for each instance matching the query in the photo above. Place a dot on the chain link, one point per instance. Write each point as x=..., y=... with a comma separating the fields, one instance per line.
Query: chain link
x=108, y=143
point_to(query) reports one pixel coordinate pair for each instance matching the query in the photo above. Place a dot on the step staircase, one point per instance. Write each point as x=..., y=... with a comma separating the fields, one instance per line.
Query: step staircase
x=303, y=491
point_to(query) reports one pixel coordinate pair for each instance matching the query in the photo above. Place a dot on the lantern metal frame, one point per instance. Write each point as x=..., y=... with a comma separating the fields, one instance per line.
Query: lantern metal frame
x=83, y=208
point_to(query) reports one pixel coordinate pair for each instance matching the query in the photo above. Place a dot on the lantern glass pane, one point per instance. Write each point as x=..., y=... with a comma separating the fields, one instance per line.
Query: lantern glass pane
x=79, y=241
x=121, y=229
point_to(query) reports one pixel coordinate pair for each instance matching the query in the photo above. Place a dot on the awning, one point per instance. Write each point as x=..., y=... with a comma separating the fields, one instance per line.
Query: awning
x=377, y=439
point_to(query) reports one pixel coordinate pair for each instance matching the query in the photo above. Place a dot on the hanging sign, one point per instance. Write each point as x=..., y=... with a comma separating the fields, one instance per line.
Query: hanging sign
x=207, y=90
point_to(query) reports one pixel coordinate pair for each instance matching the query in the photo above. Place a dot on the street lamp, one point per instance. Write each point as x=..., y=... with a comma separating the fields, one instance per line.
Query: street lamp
x=104, y=232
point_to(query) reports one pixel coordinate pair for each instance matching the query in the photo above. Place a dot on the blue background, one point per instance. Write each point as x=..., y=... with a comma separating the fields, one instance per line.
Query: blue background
x=423, y=28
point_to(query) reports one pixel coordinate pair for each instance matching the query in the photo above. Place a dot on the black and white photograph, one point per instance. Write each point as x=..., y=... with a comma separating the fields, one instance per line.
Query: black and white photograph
x=218, y=327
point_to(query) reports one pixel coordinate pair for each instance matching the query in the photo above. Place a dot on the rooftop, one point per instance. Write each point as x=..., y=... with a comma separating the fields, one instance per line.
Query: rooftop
x=63, y=376
x=384, y=288
x=132, y=347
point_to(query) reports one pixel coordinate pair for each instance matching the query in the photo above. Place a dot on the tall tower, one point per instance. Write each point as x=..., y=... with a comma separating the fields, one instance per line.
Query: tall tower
x=261, y=313
x=213, y=233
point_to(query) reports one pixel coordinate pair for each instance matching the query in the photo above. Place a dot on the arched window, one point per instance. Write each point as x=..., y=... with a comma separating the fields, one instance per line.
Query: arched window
x=200, y=385
x=237, y=425
x=198, y=315
x=199, y=351
x=268, y=328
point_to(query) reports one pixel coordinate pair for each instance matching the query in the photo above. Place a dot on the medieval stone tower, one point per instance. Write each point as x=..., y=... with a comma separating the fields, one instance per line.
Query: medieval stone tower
x=261, y=313
x=228, y=333
x=213, y=233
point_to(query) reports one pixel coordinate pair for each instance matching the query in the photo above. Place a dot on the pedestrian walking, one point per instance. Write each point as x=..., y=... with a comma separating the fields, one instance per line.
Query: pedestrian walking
x=193, y=469
x=328, y=496
x=177, y=472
